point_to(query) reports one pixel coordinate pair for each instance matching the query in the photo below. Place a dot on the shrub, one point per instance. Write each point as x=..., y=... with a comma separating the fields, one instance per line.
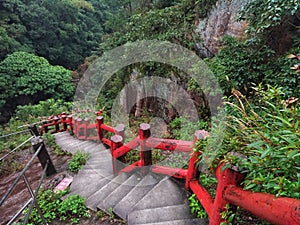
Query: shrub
x=53, y=208
x=78, y=160
x=266, y=132
x=50, y=141
x=29, y=77
x=42, y=109
x=242, y=63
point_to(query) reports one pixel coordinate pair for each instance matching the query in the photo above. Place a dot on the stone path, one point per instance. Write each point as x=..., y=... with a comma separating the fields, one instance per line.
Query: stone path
x=149, y=199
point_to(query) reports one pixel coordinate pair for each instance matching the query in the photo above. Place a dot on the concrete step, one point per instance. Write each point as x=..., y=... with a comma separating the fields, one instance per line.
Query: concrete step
x=99, y=155
x=120, y=192
x=125, y=206
x=100, y=170
x=181, y=222
x=95, y=162
x=166, y=193
x=84, y=179
x=90, y=188
x=94, y=201
x=80, y=144
x=105, y=165
x=161, y=214
x=148, y=200
x=70, y=143
x=98, y=151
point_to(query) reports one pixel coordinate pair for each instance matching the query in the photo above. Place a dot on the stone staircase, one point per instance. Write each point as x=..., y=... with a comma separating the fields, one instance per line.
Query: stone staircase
x=149, y=199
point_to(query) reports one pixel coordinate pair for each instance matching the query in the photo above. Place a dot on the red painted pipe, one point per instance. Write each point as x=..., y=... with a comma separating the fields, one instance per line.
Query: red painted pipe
x=169, y=144
x=126, y=148
x=107, y=128
x=203, y=196
x=192, y=169
x=131, y=167
x=281, y=211
x=106, y=141
x=174, y=172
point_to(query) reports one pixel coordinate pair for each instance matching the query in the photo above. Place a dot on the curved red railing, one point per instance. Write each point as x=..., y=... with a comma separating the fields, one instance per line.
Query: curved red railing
x=281, y=211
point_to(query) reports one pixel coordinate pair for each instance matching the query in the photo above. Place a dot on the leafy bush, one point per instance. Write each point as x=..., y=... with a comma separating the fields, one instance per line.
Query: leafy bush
x=196, y=207
x=50, y=141
x=266, y=14
x=11, y=136
x=53, y=208
x=78, y=160
x=182, y=128
x=287, y=74
x=42, y=109
x=241, y=64
x=25, y=75
x=266, y=132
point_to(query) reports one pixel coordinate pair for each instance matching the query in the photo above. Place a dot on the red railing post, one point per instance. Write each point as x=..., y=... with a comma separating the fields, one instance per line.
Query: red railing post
x=120, y=130
x=70, y=122
x=45, y=127
x=100, y=121
x=77, y=127
x=145, y=152
x=80, y=128
x=64, y=122
x=281, y=210
x=56, y=122
x=193, y=173
x=85, y=128
x=225, y=178
x=116, y=142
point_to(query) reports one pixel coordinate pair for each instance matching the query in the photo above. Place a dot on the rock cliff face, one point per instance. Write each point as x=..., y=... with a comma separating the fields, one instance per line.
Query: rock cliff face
x=222, y=20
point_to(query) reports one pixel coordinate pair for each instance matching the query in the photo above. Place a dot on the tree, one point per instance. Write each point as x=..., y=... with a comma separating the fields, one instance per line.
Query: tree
x=64, y=32
x=26, y=78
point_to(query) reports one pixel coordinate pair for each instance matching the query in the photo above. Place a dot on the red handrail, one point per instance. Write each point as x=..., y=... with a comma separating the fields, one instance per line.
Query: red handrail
x=282, y=211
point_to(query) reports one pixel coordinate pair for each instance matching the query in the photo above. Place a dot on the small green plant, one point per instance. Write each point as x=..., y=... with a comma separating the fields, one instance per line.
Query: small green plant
x=209, y=182
x=101, y=214
x=111, y=214
x=227, y=215
x=42, y=110
x=266, y=131
x=50, y=141
x=78, y=160
x=53, y=208
x=196, y=207
x=73, y=208
x=182, y=128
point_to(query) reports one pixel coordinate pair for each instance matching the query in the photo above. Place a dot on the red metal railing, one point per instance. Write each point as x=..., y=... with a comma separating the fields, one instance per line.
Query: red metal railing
x=281, y=211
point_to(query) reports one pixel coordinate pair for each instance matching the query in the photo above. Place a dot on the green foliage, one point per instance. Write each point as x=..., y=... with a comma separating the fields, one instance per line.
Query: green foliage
x=285, y=76
x=50, y=141
x=183, y=129
x=78, y=160
x=64, y=32
x=73, y=207
x=228, y=215
x=172, y=21
x=8, y=143
x=42, y=109
x=267, y=14
x=196, y=207
x=266, y=132
x=26, y=75
x=53, y=208
x=238, y=69
x=253, y=63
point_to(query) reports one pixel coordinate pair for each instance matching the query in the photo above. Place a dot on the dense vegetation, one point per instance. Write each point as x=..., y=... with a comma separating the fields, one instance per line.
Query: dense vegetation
x=64, y=32
x=258, y=73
